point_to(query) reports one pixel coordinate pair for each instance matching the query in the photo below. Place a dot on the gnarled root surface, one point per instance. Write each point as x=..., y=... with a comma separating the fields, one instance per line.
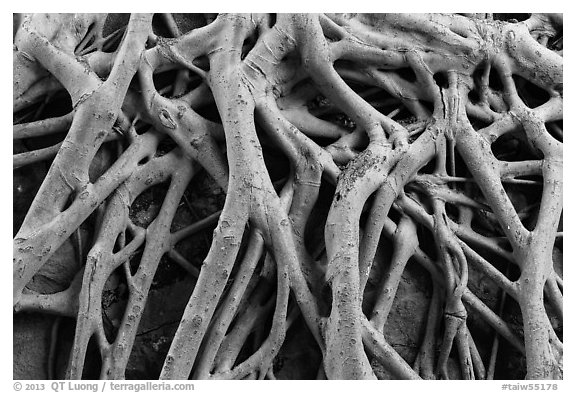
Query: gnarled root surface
x=349, y=147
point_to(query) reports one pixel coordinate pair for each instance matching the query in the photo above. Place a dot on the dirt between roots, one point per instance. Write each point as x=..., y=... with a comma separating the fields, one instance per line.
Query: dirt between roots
x=172, y=287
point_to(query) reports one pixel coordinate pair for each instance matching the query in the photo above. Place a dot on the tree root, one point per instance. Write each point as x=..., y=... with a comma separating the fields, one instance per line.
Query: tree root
x=328, y=134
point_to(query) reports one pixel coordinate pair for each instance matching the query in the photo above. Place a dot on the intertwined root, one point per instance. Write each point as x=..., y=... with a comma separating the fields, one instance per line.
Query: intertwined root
x=437, y=138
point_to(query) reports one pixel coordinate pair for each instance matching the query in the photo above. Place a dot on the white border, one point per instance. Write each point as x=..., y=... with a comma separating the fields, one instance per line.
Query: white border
x=6, y=365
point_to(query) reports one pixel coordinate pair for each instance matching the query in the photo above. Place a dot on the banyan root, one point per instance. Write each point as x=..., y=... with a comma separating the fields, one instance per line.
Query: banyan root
x=353, y=153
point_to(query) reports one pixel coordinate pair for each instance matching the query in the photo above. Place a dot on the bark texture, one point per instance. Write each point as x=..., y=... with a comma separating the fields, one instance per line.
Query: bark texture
x=355, y=155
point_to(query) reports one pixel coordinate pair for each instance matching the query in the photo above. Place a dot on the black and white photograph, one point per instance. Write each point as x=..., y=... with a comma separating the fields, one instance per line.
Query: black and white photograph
x=290, y=196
